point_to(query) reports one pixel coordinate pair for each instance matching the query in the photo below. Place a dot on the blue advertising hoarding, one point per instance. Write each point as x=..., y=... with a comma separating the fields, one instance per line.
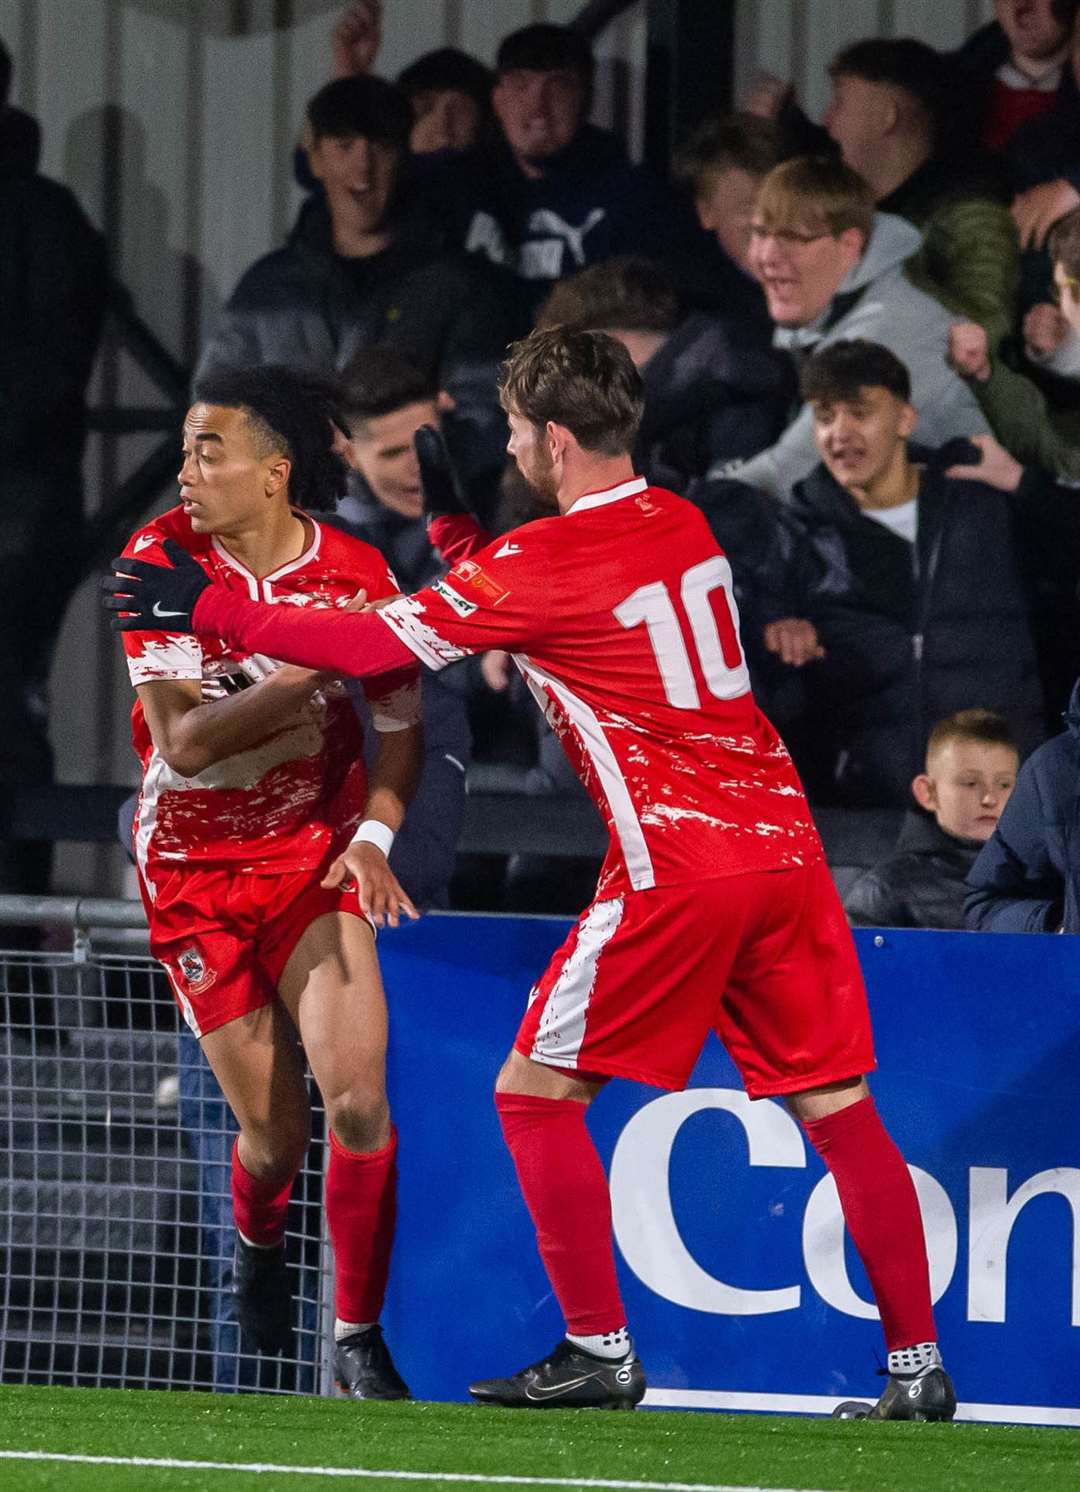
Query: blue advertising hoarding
x=742, y=1289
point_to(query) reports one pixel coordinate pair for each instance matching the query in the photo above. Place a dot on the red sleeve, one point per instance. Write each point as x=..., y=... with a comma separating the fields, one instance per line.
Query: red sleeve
x=456, y=536
x=355, y=643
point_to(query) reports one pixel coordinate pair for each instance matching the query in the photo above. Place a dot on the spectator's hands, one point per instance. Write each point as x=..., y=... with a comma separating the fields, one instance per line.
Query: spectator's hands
x=1045, y=328
x=969, y=350
x=997, y=468
x=379, y=891
x=155, y=598
x=795, y=640
x=768, y=96
x=495, y=669
x=356, y=37
x=1037, y=210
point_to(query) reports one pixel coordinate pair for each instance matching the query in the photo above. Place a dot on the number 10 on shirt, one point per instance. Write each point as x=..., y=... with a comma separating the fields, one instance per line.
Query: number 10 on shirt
x=713, y=626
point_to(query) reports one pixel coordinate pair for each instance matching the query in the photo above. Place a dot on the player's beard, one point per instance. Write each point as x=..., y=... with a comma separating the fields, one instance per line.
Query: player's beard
x=539, y=476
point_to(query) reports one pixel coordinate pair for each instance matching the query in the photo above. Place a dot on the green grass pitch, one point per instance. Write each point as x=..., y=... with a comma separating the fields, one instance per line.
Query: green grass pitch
x=309, y=1443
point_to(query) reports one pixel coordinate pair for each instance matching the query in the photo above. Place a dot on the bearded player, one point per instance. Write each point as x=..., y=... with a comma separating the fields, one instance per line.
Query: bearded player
x=261, y=847
x=715, y=909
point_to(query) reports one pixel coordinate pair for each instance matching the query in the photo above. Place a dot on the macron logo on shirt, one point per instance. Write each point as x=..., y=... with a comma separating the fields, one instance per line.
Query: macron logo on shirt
x=507, y=549
x=143, y=542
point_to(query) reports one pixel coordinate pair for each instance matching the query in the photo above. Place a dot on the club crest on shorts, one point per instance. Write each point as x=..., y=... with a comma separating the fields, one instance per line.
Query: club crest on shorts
x=193, y=968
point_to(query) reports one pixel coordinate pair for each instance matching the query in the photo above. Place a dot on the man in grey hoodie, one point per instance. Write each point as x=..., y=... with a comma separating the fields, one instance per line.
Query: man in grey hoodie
x=832, y=270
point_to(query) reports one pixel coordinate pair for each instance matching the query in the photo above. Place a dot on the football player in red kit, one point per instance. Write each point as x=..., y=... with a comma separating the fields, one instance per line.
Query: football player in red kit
x=715, y=909
x=261, y=847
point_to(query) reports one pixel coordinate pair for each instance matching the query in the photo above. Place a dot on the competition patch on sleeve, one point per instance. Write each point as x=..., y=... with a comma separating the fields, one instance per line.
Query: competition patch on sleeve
x=452, y=599
x=469, y=573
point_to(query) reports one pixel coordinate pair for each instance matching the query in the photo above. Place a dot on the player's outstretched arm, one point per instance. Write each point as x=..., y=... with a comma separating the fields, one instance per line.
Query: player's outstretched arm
x=180, y=597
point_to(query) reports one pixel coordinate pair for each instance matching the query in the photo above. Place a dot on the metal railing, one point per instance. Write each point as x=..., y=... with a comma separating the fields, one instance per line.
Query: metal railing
x=116, y=1231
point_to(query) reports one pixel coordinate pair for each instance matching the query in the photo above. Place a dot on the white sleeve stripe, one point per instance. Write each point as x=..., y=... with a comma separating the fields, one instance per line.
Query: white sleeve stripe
x=402, y=617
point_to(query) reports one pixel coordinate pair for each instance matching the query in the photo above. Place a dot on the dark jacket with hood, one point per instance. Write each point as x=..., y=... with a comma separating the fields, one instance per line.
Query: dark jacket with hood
x=1027, y=876
x=921, y=884
x=911, y=632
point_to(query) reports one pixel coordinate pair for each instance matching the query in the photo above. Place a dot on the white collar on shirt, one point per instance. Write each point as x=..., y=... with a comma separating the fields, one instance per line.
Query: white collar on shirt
x=609, y=495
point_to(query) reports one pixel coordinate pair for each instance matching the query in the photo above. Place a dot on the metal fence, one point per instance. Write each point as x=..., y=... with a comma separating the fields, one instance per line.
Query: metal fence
x=116, y=1232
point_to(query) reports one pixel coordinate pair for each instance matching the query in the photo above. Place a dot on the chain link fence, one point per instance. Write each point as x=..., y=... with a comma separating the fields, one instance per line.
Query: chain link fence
x=116, y=1231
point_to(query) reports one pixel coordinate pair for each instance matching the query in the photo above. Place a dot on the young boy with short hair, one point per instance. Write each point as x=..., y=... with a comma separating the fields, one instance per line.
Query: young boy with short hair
x=971, y=765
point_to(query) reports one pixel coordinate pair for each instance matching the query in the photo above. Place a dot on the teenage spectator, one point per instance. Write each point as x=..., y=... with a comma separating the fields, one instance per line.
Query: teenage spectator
x=53, y=291
x=892, y=113
x=356, y=270
x=450, y=94
x=895, y=115
x=723, y=162
x=550, y=193
x=1027, y=876
x=385, y=400
x=833, y=270
x=970, y=771
x=905, y=574
x=1039, y=425
x=708, y=396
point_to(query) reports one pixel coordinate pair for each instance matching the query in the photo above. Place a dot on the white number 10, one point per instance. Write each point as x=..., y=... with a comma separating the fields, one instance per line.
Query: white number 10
x=715, y=630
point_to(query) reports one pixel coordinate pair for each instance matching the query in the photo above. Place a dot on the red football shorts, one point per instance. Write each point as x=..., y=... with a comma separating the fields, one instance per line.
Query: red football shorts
x=763, y=959
x=224, y=939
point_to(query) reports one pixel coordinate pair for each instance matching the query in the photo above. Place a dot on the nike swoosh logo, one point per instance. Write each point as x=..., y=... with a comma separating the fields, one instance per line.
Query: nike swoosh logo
x=156, y=610
x=505, y=549
x=143, y=542
x=537, y=1391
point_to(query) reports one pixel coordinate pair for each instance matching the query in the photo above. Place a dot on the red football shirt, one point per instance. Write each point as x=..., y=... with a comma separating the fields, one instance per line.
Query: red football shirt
x=620, y=615
x=287, y=802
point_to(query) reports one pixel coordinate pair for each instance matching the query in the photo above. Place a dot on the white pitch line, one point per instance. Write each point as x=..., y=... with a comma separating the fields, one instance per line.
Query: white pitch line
x=267, y=1467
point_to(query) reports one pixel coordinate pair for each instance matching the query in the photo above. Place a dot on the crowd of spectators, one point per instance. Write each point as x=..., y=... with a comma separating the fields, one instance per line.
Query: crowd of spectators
x=860, y=341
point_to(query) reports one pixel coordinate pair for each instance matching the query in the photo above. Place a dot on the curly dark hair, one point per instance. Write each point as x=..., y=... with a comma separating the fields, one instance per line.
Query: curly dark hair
x=292, y=411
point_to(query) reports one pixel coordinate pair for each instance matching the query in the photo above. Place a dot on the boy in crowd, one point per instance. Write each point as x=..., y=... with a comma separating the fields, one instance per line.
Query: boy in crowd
x=971, y=765
x=358, y=269
x=903, y=572
x=833, y=269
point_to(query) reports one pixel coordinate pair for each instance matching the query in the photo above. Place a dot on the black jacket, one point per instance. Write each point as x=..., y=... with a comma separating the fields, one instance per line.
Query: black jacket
x=911, y=633
x=710, y=397
x=307, y=306
x=920, y=885
x=1027, y=877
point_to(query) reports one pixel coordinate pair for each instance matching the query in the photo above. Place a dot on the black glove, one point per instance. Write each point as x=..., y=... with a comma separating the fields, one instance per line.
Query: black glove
x=438, y=480
x=156, y=598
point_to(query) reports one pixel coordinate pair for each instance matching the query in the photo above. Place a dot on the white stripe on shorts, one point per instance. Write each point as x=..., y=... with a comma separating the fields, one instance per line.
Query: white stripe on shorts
x=562, y=1025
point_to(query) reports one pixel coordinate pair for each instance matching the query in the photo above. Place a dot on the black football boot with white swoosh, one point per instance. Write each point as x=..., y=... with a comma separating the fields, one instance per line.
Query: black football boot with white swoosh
x=568, y=1378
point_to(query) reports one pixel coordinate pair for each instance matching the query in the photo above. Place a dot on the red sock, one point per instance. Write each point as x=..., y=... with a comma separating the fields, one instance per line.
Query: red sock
x=361, y=1209
x=881, y=1210
x=566, y=1192
x=259, y=1207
